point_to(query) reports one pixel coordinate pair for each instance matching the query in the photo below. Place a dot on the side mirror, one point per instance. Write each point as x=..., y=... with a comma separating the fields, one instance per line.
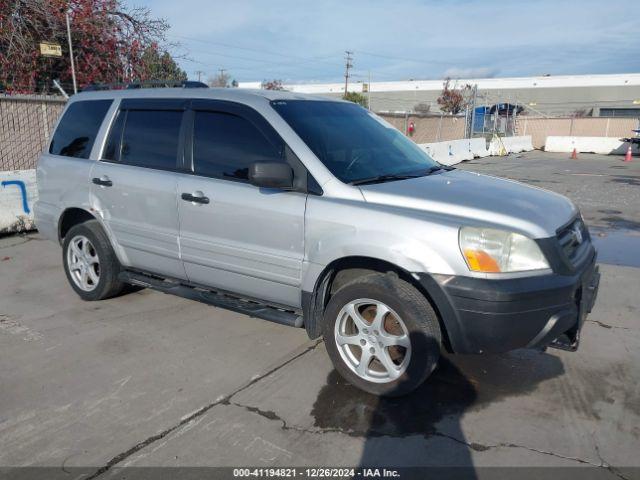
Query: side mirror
x=271, y=175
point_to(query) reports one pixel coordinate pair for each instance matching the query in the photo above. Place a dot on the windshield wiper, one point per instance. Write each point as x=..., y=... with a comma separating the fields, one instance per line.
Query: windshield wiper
x=395, y=176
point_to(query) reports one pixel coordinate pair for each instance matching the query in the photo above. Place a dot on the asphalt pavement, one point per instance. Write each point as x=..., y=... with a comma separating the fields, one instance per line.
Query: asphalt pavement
x=149, y=379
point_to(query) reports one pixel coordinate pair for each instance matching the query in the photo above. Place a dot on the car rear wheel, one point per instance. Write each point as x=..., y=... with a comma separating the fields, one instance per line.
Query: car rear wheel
x=382, y=334
x=90, y=263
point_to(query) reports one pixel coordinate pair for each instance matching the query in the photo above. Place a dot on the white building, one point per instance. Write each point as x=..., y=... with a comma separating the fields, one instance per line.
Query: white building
x=597, y=95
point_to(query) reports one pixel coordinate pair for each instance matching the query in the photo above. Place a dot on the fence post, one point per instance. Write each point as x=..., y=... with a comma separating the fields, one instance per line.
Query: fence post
x=439, y=128
x=466, y=122
x=571, y=127
x=45, y=126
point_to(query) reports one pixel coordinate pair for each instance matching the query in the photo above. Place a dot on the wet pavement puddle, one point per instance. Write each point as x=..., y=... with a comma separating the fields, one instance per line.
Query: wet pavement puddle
x=617, y=246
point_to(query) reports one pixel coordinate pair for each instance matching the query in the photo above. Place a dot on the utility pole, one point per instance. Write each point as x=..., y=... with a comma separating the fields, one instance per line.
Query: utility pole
x=73, y=65
x=221, y=76
x=369, y=92
x=348, y=64
x=199, y=73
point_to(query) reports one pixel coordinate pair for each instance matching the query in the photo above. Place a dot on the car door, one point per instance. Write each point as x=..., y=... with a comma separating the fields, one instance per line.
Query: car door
x=134, y=184
x=235, y=236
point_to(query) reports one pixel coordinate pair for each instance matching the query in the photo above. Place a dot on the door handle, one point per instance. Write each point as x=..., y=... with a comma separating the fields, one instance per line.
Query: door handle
x=103, y=181
x=196, y=197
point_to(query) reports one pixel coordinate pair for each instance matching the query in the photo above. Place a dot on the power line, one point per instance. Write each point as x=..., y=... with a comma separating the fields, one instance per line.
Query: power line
x=404, y=59
x=261, y=63
x=248, y=49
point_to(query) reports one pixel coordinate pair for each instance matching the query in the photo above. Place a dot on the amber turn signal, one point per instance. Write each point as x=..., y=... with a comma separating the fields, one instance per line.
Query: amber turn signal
x=480, y=261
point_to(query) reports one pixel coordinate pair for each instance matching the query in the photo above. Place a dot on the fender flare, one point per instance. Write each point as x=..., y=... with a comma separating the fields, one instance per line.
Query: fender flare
x=314, y=302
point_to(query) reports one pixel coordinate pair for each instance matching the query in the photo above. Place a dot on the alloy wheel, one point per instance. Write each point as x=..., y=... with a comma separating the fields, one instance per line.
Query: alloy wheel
x=372, y=340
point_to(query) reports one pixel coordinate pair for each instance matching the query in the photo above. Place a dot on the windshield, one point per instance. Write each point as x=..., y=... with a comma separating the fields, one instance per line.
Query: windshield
x=353, y=143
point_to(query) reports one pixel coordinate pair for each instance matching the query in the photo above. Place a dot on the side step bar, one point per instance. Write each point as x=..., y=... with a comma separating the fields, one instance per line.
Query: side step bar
x=210, y=297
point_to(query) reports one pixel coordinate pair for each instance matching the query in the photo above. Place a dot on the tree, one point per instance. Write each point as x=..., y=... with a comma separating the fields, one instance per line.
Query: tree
x=109, y=42
x=220, y=80
x=158, y=65
x=274, y=84
x=452, y=99
x=356, y=97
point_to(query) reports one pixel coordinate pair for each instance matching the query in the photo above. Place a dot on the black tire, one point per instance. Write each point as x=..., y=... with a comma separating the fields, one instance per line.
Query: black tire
x=108, y=284
x=416, y=313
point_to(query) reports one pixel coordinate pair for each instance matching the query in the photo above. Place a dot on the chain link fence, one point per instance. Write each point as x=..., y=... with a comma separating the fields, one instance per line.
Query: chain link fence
x=444, y=128
x=427, y=128
x=541, y=127
x=26, y=125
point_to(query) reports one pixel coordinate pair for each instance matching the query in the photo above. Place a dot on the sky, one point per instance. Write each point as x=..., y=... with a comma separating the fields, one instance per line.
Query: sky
x=300, y=41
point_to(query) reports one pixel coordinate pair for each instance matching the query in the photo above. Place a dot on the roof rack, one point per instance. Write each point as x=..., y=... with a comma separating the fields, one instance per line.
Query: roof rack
x=145, y=84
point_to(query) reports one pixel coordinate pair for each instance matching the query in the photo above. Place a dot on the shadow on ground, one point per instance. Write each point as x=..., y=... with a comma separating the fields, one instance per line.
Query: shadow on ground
x=460, y=384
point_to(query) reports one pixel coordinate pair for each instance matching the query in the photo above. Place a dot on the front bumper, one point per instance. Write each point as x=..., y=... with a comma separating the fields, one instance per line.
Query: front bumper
x=483, y=315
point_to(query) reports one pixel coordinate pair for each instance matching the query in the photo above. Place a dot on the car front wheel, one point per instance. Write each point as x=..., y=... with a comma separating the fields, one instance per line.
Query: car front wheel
x=382, y=334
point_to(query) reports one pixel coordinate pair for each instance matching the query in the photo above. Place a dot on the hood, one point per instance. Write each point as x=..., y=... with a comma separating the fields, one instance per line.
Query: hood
x=474, y=199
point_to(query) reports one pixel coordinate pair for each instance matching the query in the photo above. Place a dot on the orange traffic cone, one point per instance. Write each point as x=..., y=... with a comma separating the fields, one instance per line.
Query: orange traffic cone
x=574, y=154
x=627, y=157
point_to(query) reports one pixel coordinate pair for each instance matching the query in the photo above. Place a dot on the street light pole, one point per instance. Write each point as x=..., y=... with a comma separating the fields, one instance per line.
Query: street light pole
x=73, y=66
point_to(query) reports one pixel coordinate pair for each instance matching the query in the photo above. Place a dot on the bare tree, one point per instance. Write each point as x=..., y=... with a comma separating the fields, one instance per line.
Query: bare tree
x=452, y=99
x=222, y=79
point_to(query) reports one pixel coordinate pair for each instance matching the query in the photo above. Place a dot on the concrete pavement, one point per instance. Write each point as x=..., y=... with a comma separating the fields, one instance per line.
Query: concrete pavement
x=153, y=380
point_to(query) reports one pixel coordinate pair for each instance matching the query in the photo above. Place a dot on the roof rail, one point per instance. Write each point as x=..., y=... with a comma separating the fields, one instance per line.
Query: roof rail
x=145, y=84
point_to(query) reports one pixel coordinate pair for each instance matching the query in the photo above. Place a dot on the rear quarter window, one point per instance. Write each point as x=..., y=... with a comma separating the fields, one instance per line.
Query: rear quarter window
x=78, y=128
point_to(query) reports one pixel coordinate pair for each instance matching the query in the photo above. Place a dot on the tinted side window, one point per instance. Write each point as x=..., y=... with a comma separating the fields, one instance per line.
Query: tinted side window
x=224, y=145
x=78, y=128
x=150, y=138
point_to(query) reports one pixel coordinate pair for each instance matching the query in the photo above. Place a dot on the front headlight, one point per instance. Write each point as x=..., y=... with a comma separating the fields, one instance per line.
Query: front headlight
x=489, y=250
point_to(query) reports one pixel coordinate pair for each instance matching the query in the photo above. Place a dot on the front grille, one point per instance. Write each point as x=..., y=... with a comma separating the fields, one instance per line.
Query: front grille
x=574, y=240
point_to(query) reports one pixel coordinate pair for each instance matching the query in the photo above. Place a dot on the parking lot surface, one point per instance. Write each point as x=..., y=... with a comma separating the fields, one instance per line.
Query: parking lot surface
x=149, y=379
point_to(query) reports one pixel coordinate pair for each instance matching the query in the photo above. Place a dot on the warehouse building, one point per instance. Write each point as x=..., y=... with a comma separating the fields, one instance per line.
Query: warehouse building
x=615, y=95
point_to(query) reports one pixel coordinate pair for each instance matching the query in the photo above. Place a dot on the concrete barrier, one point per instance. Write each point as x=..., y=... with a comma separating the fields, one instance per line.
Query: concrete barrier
x=438, y=151
x=460, y=150
x=603, y=145
x=456, y=151
x=478, y=147
x=18, y=192
x=518, y=144
x=506, y=145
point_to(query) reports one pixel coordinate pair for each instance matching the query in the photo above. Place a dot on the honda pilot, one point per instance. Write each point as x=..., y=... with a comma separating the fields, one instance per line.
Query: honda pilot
x=315, y=213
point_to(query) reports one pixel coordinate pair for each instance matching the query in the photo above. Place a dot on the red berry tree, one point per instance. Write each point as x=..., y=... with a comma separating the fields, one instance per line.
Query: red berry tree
x=111, y=44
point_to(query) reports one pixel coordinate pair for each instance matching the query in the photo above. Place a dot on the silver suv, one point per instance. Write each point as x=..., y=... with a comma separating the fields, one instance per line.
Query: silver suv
x=313, y=213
